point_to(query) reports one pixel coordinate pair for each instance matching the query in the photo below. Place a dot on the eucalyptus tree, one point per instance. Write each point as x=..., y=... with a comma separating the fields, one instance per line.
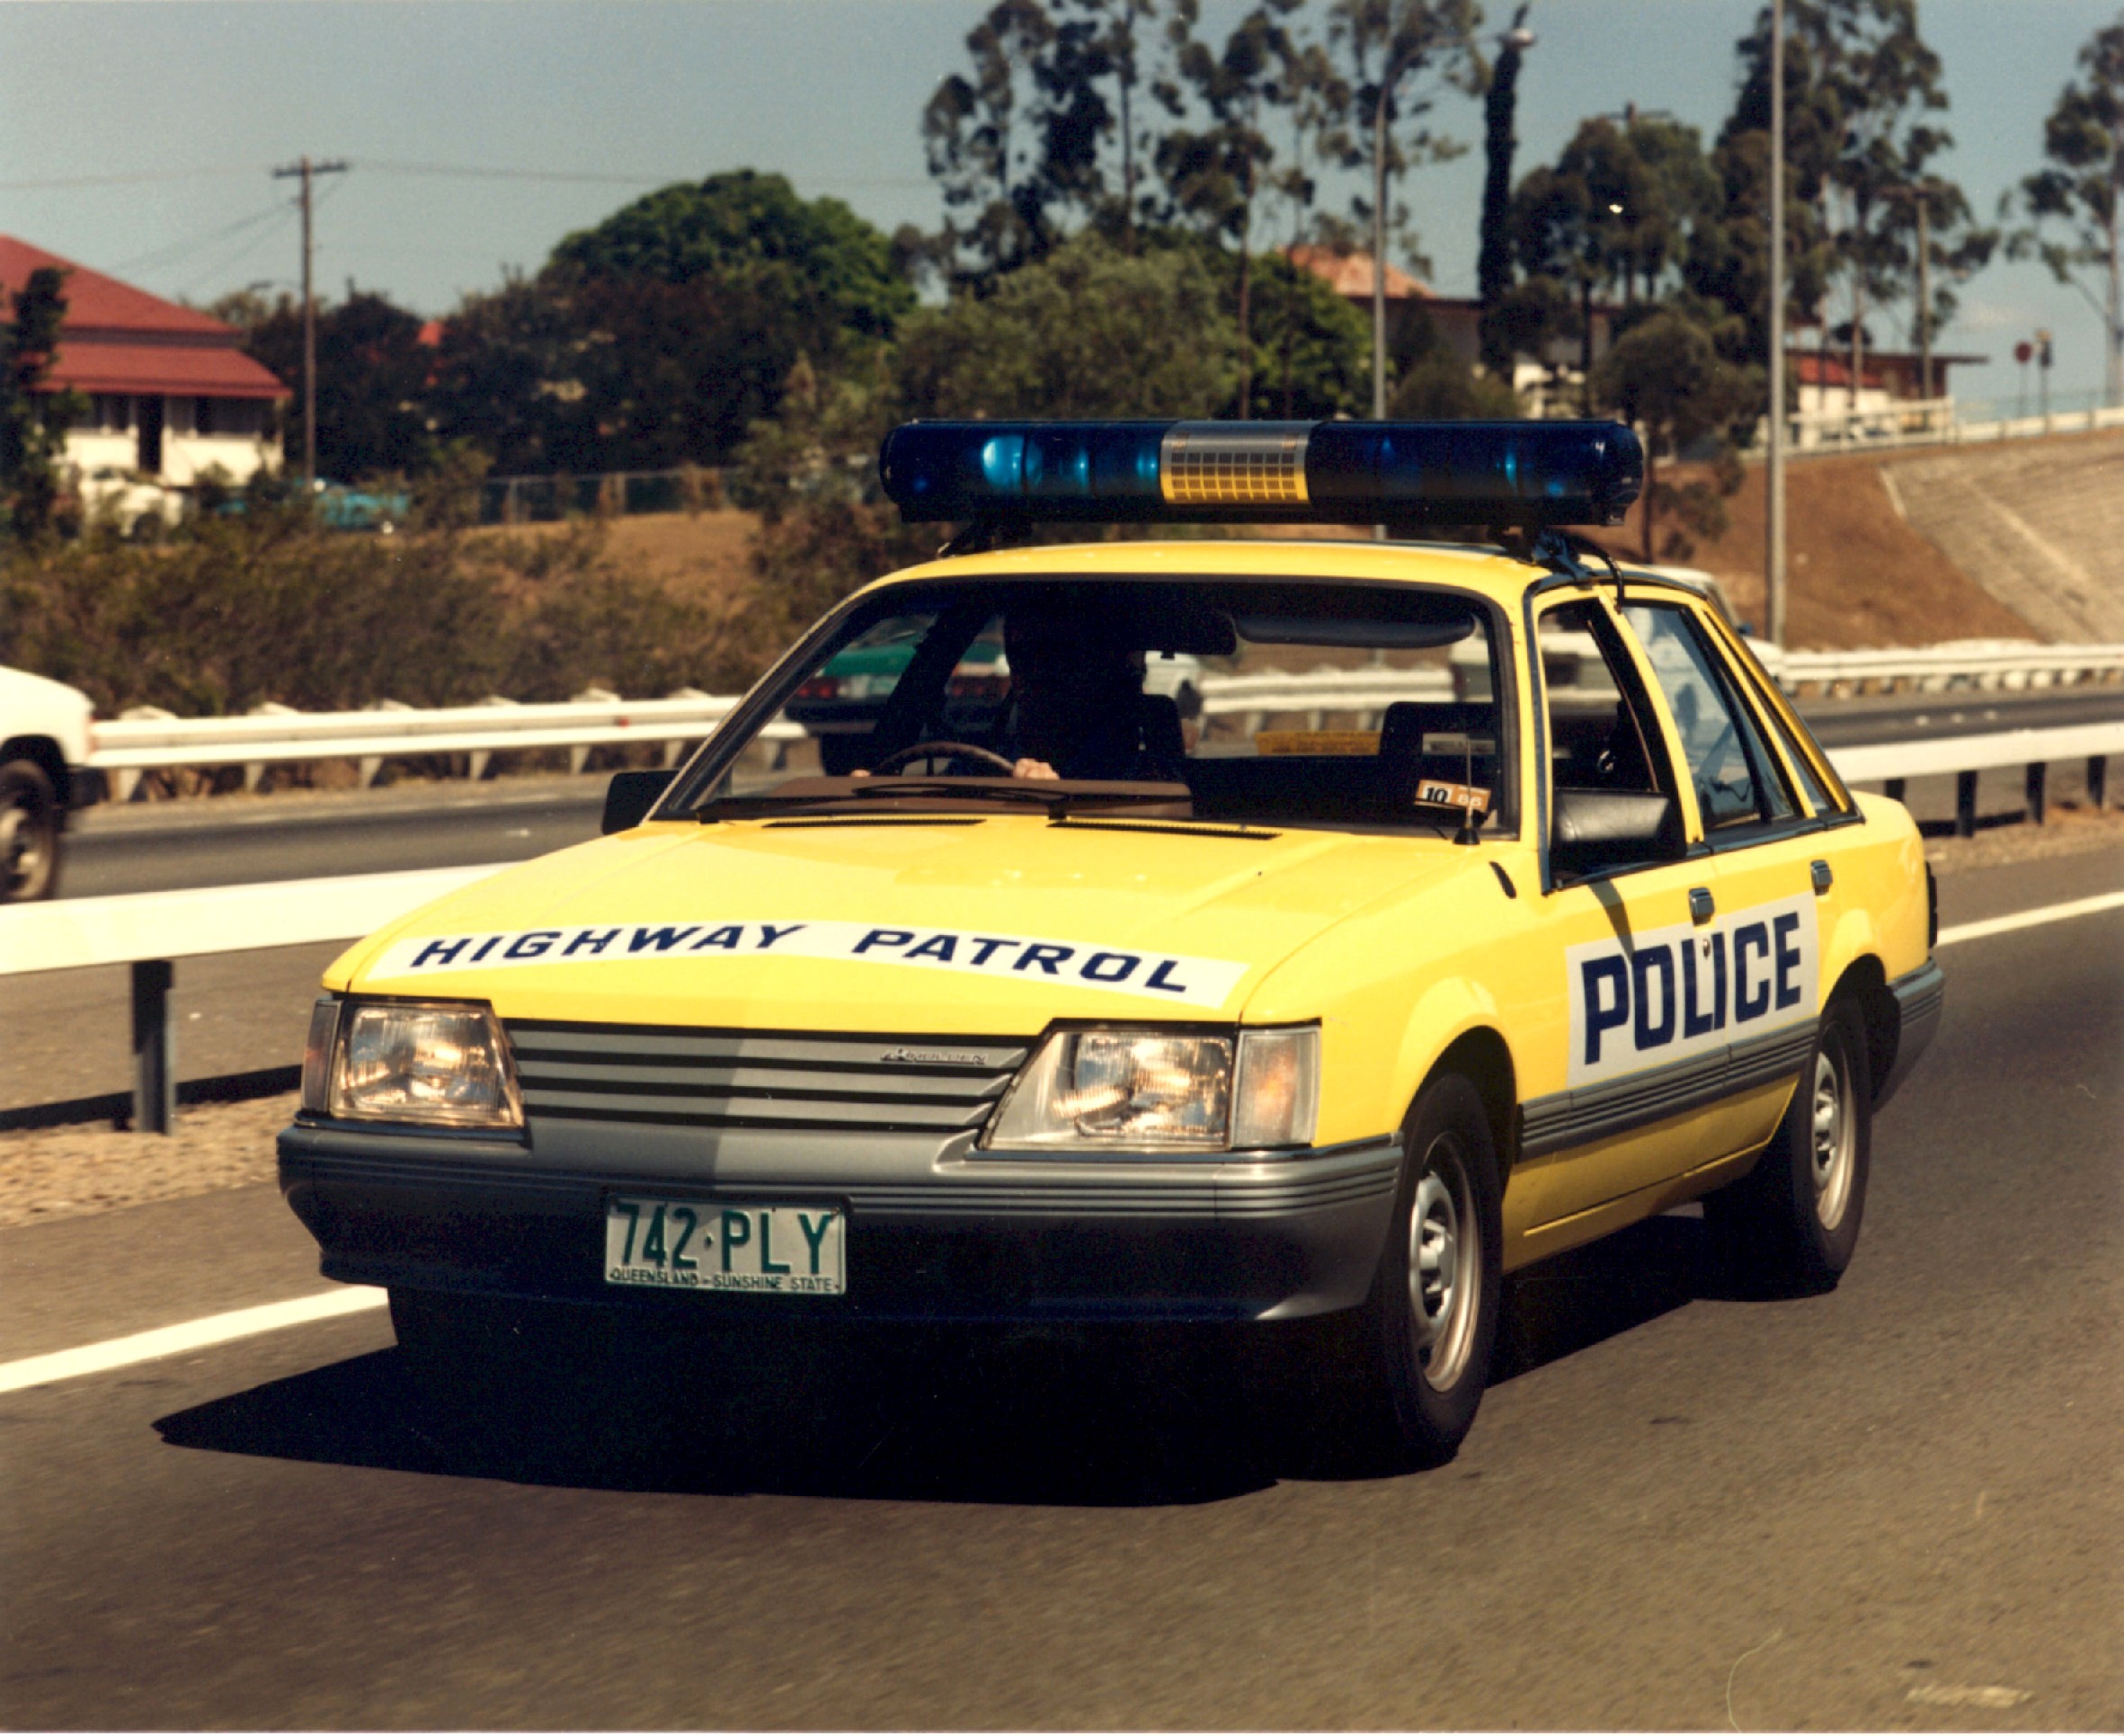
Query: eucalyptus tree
x=1399, y=58
x=2072, y=202
x=1493, y=258
x=982, y=138
x=1217, y=173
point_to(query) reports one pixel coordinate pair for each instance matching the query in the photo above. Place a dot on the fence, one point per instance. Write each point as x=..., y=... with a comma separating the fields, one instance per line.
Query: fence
x=527, y=500
x=146, y=739
x=148, y=931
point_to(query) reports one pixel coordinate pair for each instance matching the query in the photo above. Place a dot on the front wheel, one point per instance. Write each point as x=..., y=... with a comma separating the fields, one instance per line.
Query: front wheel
x=1791, y=1224
x=1416, y=1356
x=29, y=832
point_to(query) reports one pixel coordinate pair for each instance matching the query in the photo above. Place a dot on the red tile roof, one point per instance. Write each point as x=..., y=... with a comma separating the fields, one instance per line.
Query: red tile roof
x=116, y=338
x=1350, y=274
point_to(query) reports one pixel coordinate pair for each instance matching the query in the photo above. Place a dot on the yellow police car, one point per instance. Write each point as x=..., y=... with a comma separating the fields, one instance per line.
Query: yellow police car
x=1405, y=964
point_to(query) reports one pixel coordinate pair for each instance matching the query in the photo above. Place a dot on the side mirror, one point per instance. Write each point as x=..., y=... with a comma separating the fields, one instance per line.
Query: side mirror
x=630, y=796
x=1598, y=830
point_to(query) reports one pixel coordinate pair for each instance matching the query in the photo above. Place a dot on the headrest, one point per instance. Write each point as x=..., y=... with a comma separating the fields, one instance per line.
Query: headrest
x=1439, y=729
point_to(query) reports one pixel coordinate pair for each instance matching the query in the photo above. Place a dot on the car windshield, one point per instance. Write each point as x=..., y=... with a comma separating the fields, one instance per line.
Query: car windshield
x=1248, y=702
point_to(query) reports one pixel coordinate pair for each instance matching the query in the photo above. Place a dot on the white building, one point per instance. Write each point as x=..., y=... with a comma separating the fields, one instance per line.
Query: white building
x=170, y=393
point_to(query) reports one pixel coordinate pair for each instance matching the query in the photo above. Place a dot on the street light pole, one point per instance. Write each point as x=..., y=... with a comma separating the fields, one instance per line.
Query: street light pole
x=1379, y=242
x=1773, y=480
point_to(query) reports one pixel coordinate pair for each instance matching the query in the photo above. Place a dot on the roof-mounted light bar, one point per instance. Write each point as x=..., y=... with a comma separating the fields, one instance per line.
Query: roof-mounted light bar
x=1531, y=474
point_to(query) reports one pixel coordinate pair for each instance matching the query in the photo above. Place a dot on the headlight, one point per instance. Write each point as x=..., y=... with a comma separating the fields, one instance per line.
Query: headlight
x=1164, y=1088
x=410, y=1061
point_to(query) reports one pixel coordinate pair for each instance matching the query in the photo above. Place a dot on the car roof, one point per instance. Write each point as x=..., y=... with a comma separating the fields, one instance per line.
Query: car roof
x=1489, y=572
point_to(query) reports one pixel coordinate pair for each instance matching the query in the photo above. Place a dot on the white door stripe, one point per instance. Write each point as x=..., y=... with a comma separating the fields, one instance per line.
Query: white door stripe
x=192, y=1335
x=2030, y=919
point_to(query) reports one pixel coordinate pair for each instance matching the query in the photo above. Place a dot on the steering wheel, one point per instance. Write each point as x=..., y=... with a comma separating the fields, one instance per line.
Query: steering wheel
x=941, y=749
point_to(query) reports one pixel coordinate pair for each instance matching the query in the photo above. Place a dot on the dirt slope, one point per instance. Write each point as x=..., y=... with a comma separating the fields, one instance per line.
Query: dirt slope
x=1858, y=576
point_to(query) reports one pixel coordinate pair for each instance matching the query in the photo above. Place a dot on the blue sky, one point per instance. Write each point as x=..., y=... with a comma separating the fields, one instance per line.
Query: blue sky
x=167, y=117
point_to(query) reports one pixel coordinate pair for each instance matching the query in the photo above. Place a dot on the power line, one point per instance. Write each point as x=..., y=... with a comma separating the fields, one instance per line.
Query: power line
x=134, y=179
x=177, y=250
x=588, y=177
x=287, y=215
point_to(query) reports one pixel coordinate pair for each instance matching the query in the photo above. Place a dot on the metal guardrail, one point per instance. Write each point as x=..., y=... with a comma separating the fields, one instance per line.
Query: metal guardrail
x=148, y=931
x=1939, y=669
x=145, y=740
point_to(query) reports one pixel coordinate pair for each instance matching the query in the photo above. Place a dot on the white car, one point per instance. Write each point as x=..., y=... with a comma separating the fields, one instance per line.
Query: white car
x=136, y=506
x=44, y=745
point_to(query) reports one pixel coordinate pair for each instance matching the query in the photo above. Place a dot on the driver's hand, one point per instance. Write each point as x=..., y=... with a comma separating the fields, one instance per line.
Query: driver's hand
x=1036, y=768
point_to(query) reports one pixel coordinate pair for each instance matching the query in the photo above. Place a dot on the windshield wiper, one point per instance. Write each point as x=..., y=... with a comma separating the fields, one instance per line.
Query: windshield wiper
x=1057, y=797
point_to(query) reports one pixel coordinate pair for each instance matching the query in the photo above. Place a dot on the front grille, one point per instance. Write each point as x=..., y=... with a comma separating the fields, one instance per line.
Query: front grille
x=794, y=1081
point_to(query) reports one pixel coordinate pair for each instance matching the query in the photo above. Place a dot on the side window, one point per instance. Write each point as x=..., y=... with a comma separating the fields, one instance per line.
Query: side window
x=1612, y=805
x=1598, y=739
x=1738, y=781
x=1824, y=799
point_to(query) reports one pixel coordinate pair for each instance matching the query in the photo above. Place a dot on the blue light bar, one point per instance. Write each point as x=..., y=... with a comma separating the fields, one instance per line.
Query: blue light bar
x=1501, y=474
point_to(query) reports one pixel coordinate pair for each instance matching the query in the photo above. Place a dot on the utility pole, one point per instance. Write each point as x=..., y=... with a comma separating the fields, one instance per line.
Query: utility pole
x=1773, y=479
x=306, y=170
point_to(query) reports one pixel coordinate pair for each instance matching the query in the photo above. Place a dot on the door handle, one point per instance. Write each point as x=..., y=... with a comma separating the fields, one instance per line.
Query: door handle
x=1822, y=876
x=1702, y=907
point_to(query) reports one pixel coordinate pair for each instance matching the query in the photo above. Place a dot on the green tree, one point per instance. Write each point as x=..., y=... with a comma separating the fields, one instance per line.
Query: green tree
x=982, y=137
x=372, y=382
x=1493, y=257
x=1664, y=376
x=1088, y=332
x=1397, y=59
x=1863, y=95
x=2072, y=203
x=744, y=226
x=33, y=421
x=1216, y=172
x=1311, y=350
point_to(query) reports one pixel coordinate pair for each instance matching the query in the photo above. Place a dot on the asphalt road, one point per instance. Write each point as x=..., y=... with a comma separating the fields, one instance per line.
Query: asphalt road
x=1677, y=1510
x=240, y=841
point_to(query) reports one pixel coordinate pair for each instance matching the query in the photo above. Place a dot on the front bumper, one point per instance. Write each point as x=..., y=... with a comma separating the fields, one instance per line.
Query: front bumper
x=956, y=1235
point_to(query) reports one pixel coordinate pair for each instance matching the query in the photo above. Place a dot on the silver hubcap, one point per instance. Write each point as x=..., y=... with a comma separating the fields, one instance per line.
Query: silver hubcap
x=1834, y=1148
x=1444, y=1266
x=22, y=862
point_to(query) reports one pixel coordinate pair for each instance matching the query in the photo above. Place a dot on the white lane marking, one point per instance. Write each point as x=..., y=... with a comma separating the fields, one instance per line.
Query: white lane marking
x=1992, y=1700
x=191, y=1335
x=2030, y=919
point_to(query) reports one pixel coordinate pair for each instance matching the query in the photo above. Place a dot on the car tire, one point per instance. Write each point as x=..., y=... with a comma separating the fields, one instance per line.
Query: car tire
x=28, y=833
x=1415, y=1359
x=1791, y=1225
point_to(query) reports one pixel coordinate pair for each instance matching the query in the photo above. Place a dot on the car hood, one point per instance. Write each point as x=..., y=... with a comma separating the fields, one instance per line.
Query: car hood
x=987, y=926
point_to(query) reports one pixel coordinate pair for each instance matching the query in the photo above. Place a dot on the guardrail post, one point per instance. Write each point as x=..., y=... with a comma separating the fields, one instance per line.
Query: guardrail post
x=2098, y=780
x=1895, y=787
x=1965, y=805
x=2037, y=788
x=155, y=1048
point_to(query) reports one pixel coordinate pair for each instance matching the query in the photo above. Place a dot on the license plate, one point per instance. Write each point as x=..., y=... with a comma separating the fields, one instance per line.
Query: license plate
x=706, y=1244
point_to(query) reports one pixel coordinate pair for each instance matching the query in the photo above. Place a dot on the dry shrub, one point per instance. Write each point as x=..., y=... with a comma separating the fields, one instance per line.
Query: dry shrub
x=268, y=606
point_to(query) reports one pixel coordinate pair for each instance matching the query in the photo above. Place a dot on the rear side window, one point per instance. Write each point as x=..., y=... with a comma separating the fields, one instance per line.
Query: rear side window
x=1737, y=777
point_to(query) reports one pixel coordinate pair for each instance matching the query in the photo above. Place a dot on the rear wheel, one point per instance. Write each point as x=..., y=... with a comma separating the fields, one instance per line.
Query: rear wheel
x=29, y=832
x=1416, y=1356
x=1791, y=1224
